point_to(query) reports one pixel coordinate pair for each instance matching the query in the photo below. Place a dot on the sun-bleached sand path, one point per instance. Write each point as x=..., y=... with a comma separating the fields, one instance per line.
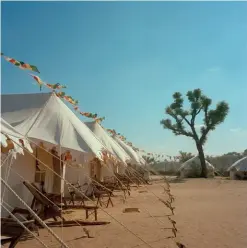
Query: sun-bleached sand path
x=210, y=213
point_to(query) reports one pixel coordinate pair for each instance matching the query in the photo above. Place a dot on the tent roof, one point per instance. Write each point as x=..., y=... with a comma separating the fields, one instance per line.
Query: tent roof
x=46, y=117
x=194, y=159
x=240, y=165
x=7, y=131
x=108, y=141
x=135, y=157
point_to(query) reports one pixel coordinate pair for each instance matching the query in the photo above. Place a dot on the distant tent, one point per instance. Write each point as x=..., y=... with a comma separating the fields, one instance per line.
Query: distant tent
x=111, y=145
x=135, y=157
x=15, y=155
x=192, y=168
x=239, y=169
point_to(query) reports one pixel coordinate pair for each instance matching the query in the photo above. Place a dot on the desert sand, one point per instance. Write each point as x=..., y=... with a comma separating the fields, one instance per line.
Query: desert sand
x=210, y=213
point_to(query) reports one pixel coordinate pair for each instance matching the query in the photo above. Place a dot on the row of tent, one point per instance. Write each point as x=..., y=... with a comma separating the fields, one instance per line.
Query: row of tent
x=192, y=168
x=39, y=126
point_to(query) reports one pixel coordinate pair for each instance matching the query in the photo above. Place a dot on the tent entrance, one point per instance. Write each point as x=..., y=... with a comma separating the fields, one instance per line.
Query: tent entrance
x=43, y=176
x=95, y=169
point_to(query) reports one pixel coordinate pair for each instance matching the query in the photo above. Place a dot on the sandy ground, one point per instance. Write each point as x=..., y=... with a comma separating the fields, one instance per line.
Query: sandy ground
x=210, y=213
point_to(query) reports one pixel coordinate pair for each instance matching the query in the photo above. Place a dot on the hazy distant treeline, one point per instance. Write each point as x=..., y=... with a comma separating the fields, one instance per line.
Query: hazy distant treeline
x=221, y=163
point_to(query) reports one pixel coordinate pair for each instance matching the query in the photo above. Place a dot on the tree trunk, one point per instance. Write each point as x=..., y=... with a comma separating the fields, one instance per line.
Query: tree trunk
x=202, y=160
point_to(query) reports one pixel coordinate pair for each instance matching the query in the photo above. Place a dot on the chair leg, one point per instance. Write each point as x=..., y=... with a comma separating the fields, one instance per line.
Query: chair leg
x=98, y=201
x=17, y=238
x=65, y=203
x=96, y=214
x=109, y=201
x=15, y=241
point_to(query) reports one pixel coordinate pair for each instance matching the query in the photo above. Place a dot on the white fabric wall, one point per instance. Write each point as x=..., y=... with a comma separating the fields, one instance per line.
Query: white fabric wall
x=74, y=174
x=121, y=168
x=232, y=175
x=107, y=171
x=25, y=166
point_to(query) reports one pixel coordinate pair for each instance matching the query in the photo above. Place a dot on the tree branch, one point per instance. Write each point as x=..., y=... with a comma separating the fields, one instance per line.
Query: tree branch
x=204, y=135
x=187, y=121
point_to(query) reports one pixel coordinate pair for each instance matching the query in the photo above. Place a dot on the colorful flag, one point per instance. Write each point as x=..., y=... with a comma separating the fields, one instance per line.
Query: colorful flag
x=111, y=131
x=60, y=94
x=76, y=108
x=38, y=80
x=70, y=100
x=100, y=119
x=20, y=64
x=89, y=115
x=55, y=86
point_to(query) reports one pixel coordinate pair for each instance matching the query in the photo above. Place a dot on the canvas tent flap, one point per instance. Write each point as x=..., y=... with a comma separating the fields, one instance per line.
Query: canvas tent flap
x=9, y=132
x=240, y=165
x=46, y=117
x=108, y=141
x=135, y=158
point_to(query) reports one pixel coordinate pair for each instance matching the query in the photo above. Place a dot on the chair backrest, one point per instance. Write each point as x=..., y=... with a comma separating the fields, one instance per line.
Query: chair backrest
x=36, y=193
x=70, y=188
x=10, y=227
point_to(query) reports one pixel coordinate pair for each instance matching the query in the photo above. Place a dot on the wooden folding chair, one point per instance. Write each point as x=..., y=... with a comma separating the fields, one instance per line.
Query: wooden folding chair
x=12, y=231
x=48, y=209
x=99, y=192
x=74, y=195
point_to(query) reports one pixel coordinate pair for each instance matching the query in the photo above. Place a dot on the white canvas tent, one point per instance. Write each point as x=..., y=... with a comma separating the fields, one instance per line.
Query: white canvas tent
x=15, y=158
x=192, y=168
x=45, y=117
x=239, y=169
x=111, y=145
x=135, y=157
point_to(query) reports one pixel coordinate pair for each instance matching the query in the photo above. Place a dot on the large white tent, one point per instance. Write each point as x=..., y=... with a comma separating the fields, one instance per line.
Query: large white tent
x=192, y=168
x=135, y=157
x=110, y=144
x=45, y=117
x=15, y=157
x=239, y=169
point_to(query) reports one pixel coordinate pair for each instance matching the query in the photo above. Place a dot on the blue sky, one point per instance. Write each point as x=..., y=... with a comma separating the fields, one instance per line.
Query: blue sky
x=124, y=60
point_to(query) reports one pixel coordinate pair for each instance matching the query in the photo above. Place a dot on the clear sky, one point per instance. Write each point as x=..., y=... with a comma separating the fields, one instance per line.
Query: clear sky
x=124, y=60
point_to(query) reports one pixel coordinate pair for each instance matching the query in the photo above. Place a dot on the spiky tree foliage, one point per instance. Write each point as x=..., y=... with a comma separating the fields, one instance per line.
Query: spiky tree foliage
x=184, y=156
x=183, y=122
x=150, y=160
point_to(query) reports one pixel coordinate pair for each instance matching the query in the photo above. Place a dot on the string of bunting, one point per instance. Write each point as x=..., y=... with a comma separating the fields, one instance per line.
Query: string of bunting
x=41, y=83
x=77, y=109
x=150, y=154
x=67, y=98
x=22, y=65
x=25, y=66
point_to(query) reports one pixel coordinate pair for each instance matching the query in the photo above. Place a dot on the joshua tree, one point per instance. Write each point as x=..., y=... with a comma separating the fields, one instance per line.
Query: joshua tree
x=199, y=103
